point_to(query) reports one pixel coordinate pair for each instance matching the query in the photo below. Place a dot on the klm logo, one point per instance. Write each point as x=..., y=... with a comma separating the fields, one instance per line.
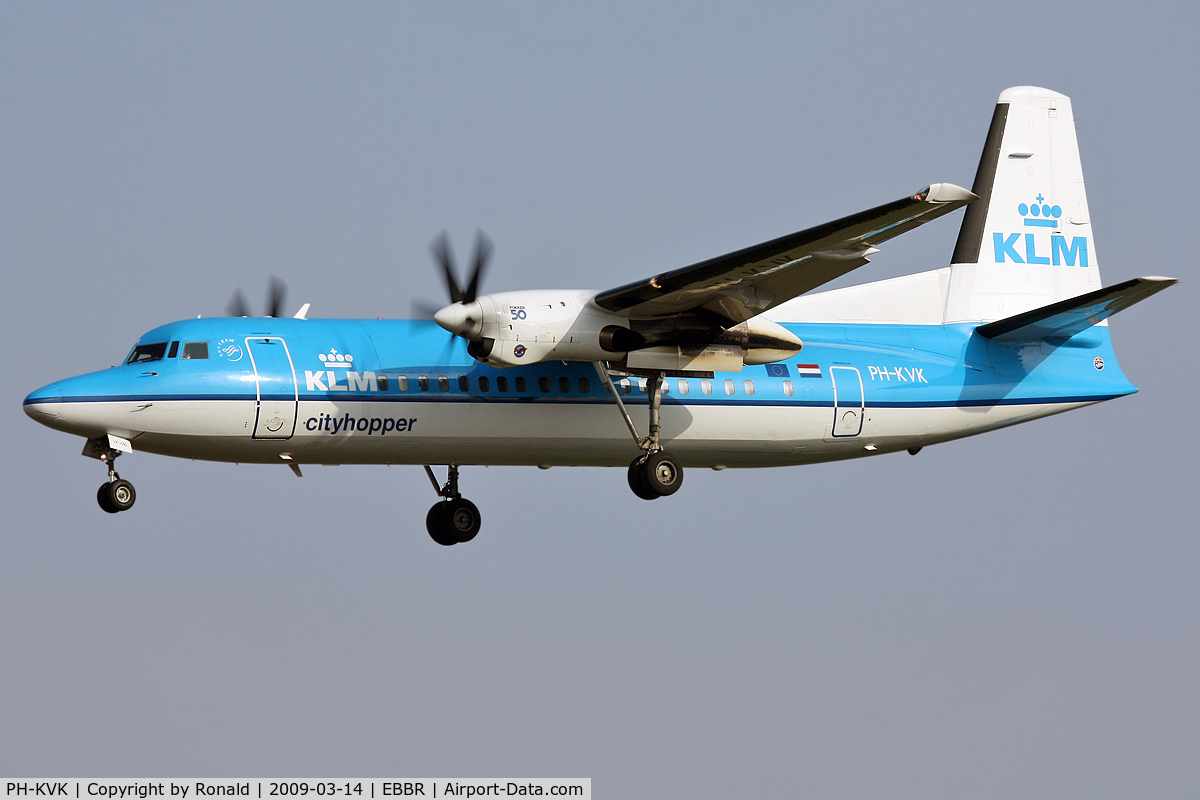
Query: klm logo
x=326, y=380
x=1037, y=215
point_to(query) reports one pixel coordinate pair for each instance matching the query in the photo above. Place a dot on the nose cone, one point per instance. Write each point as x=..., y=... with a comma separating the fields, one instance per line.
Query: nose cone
x=86, y=405
x=43, y=404
x=462, y=319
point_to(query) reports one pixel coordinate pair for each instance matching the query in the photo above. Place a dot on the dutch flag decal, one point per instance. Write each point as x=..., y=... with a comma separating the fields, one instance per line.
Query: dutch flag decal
x=808, y=370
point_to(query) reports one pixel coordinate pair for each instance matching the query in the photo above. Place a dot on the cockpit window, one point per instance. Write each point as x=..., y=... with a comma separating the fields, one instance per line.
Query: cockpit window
x=147, y=352
x=195, y=349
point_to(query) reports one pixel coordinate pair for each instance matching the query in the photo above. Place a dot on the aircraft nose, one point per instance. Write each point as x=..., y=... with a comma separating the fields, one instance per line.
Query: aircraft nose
x=43, y=404
x=462, y=319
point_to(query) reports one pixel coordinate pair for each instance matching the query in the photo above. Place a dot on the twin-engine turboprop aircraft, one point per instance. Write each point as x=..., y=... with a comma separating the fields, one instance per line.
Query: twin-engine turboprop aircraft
x=731, y=363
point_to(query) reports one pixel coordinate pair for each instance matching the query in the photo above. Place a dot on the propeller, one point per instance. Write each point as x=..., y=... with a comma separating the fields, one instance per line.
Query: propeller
x=445, y=259
x=463, y=317
x=276, y=291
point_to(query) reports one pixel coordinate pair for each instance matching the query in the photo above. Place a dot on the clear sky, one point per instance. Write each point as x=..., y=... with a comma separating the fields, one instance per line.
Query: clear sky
x=1016, y=614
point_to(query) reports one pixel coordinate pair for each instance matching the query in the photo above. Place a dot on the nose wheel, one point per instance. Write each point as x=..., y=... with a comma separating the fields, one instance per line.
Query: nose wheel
x=454, y=519
x=115, y=494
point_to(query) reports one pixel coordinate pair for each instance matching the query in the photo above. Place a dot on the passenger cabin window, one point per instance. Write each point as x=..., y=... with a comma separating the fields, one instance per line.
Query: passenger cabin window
x=147, y=352
x=684, y=387
x=729, y=388
x=564, y=385
x=402, y=383
x=423, y=383
x=584, y=386
x=544, y=383
x=748, y=386
x=788, y=388
x=382, y=382
x=484, y=384
x=642, y=386
x=174, y=350
x=501, y=383
x=195, y=350
x=464, y=383
x=706, y=386
x=520, y=384
x=626, y=385
x=443, y=383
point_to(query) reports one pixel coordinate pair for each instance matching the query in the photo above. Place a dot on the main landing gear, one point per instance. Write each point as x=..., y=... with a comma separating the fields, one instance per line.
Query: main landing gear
x=656, y=473
x=115, y=494
x=455, y=519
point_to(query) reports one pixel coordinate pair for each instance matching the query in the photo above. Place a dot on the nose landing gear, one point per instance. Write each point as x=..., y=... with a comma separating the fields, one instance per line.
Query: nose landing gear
x=115, y=494
x=455, y=519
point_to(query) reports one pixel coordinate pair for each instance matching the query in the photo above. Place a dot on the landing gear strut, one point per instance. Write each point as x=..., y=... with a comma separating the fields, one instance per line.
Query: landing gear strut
x=115, y=494
x=455, y=519
x=655, y=473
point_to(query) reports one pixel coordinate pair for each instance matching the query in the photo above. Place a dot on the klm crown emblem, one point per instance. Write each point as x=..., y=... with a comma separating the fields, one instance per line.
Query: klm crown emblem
x=336, y=359
x=1040, y=214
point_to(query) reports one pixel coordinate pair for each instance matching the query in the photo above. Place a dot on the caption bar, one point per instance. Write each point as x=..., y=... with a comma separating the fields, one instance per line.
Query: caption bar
x=255, y=789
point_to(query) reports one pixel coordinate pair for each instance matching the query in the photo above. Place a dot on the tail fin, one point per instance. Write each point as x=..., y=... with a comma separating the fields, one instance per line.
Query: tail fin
x=1027, y=242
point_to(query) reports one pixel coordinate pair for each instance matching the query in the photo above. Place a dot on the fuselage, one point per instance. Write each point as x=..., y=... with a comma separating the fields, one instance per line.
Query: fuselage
x=329, y=391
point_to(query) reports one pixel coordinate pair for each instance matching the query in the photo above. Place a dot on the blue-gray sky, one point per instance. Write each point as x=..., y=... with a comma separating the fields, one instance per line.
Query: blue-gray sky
x=1011, y=615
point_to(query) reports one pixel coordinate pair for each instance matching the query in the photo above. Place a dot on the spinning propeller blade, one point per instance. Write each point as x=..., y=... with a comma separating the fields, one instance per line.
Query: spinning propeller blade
x=237, y=305
x=276, y=292
x=444, y=257
x=483, y=251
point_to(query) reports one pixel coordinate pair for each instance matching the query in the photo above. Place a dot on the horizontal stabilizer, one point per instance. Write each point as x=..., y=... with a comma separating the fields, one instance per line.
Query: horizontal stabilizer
x=1068, y=317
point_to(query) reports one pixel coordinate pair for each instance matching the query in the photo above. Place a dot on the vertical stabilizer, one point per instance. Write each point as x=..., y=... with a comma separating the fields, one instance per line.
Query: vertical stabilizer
x=1027, y=242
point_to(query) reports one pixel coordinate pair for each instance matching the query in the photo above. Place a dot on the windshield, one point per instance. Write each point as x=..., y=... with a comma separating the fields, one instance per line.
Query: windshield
x=147, y=352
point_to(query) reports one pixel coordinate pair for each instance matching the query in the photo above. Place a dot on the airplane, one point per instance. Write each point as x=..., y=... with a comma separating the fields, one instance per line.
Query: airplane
x=734, y=361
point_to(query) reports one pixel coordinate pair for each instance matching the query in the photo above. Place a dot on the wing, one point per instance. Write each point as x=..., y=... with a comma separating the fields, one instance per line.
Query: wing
x=735, y=287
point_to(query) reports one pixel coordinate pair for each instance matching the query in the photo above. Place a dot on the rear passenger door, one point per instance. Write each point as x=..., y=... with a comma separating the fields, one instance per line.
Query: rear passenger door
x=847, y=402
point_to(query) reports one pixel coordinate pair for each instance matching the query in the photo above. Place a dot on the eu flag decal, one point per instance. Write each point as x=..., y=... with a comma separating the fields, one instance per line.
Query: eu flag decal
x=777, y=371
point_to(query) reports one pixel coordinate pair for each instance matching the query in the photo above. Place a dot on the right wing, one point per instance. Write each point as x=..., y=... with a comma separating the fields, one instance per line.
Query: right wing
x=733, y=288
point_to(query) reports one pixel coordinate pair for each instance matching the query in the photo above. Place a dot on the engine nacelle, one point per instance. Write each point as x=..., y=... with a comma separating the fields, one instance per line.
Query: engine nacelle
x=526, y=327
x=755, y=341
x=509, y=329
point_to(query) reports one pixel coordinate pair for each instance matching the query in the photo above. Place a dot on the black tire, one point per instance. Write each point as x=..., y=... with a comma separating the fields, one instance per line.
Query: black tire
x=436, y=524
x=637, y=480
x=462, y=519
x=104, y=498
x=662, y=473
x=121, y=495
